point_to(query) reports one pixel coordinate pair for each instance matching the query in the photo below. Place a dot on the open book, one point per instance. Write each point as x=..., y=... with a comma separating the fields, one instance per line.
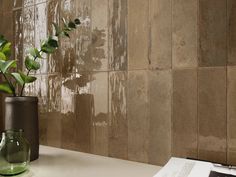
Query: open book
x=178, y=167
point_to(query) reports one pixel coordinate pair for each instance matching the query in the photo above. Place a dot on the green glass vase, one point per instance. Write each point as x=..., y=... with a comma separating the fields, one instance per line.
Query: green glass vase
x=14, y=153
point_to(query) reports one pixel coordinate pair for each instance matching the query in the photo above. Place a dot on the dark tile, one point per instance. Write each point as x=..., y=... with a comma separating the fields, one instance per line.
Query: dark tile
x=184, y=118
x=231, y=24
x=160, y=102
x=138, y=116
x=212, y=33
x=118, y=124
x=118, y=34
x=7, y=6
x=17, y=3
x=160, y=34
x=212, y=114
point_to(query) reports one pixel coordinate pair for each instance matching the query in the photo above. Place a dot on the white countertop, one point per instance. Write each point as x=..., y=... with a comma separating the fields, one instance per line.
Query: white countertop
x=55, y=162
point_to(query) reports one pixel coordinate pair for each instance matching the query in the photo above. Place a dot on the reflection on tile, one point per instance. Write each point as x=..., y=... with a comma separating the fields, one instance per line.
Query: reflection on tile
x=231, y=22
x=118, y=128
x=54, y=93
x=41, y=32
x=18, y=37
x=160, y=19
x=17, y=3
x=54, y=60
x=99, y=20
x=212, y=33
x=231, y=115
x=185, y=31
x=160, y=100
x=28, y=29
x=99, y=90
x=138, y=116
x=118, y=35
x=84, y=61
x=212, y=114
x=138, y=34
x=28, y=3
x=184, y=118
x=68, y=47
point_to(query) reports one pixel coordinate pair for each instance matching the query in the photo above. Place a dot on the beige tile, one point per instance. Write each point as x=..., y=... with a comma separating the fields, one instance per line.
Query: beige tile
x=99, y=91
x=99, y=25
x=118, y=128
x=138, y=116
x=184, y=118
x=212, y=114
x=160, y=97
x=212, y=33
x=160, y=35
x=231, y=24
x=138, y=34
x=231, y=115
x=118, y=34
x=185, y=31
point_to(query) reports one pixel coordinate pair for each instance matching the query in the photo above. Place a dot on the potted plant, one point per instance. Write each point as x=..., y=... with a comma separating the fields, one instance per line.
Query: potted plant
x=21, y=112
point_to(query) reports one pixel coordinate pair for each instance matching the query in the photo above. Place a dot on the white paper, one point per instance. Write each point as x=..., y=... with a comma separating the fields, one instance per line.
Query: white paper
x=178, y=167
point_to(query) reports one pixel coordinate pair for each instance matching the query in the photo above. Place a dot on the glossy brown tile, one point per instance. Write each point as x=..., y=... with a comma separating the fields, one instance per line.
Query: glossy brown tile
x=54, y=93
x=212, y=114
x=99, y=26
x=18, y=37
x=185, y=33
x=118, y=35
x=138, y=116
x=99, y=92
x=17, y=3
x=231, y=112
x=138, y=34
x=212, y=33
x=41, y=33
x=160, y=100
x=54, y=129
x=231, y=24
x=160, y=34
x=184, y=116
x=118, y=128
x=7, y=5
x=54, y=60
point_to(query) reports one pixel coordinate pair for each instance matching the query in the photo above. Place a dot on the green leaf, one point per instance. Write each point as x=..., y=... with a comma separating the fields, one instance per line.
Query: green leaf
x=5, y=87
x=5, y=65
x=66, y=34
x=6, y=49
x=57, y=29
x=46, y=48
x=31, y=64
x=35, y=53
x=18, y=78
x=2, y=56
x=27, y=79
x=72, y=25
x=52, y=42
x=77, y=21
x=3, y=41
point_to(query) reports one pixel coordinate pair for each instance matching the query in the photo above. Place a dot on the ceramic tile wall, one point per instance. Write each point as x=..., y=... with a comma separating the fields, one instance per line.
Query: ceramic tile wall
x=141, y=80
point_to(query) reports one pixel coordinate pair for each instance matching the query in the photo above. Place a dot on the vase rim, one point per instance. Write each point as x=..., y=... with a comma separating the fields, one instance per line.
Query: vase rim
x=21, y=98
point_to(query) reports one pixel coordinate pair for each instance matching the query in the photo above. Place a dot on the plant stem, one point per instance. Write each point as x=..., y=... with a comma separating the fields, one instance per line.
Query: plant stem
x=23, y=87
x=10, y=84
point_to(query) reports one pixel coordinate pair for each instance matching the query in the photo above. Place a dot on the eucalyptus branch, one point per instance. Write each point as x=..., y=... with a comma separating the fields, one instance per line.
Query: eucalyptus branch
x=10, y=84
